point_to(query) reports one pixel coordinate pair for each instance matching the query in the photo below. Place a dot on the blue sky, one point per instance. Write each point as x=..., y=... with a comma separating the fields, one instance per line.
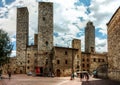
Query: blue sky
x=70, y=18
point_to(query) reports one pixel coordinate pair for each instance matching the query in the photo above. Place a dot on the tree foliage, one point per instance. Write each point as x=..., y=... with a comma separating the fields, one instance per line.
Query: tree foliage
x=5, y=47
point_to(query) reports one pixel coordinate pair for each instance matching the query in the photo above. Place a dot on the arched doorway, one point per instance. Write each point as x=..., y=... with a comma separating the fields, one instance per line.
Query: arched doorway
x=58, y=72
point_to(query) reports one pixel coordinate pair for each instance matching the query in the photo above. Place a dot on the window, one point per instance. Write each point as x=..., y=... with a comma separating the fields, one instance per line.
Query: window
x=98, y=60
x=28, y=67
x=28, y=55
x=28, y=61
x=50, y=69
x=77, y=56
x=92, y=49
x=83, y=65
x=43, y=18
x=58, y=61
x=94, y=59
x=46, y=61
x=65, y=52
x=103, y=60
x=46, y=43
x=66, y=62
x=35, y=54
x=87, y=65
x=83, y=69
x=77, y=66
x=83, y=59
x=87, y=60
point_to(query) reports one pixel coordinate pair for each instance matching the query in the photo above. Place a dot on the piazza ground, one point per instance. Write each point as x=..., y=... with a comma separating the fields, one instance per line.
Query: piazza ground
x=30, y=80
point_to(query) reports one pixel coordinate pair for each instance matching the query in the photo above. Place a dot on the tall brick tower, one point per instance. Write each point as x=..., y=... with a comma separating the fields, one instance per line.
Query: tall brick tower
x=45, y=33
x=89, y=38
x=22, y=36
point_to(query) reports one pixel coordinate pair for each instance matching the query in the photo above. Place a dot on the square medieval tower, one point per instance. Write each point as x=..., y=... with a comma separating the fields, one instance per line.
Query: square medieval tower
x=22, y=36
x=89, y=38
x=45, y=34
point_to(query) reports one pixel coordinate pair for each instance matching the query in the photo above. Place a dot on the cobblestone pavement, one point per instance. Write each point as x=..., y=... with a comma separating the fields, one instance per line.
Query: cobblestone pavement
x=30, y=80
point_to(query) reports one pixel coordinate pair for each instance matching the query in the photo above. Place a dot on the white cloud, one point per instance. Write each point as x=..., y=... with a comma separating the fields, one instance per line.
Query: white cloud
x=13, y=54
x=65, y=14
x=101, y=45
x=13, y=39
x=101, y=12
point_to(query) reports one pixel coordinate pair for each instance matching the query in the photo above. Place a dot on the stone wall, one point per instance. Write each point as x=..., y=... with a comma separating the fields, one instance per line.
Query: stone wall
x=91, y=61
x=31, y=58
x=96, y=60
x=114, y=46
x=12, y=66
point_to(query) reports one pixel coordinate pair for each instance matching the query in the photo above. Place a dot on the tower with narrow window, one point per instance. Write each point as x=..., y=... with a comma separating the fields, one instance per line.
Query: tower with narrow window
x=76, y=44
x=45, y=33
x=22, y=36
x=45, y=26
x=89, y=38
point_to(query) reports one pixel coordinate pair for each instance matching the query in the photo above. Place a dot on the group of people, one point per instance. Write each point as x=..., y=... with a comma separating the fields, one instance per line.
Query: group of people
x=84, y=75
x=81, y=75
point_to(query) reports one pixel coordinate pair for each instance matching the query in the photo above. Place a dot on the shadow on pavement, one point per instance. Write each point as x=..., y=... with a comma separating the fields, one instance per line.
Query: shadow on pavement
x=101, y=82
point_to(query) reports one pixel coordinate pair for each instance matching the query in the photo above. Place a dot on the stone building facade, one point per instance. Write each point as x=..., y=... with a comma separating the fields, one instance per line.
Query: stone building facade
x=11, y=65
x=67, y=60
x=43, y=58
x=114, y=46
x=97, y=60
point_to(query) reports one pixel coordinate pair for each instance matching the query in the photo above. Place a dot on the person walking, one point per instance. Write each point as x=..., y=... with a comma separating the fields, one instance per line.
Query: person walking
x=72, y=76
x=9, y=74
x=81, y=76
x=86, y=76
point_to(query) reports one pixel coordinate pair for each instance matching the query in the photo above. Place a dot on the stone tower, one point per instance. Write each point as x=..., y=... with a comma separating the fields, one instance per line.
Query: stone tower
x=45, y=26
x=89, y=38
x=22, y=36
x=45, y=33
x=76, y=44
